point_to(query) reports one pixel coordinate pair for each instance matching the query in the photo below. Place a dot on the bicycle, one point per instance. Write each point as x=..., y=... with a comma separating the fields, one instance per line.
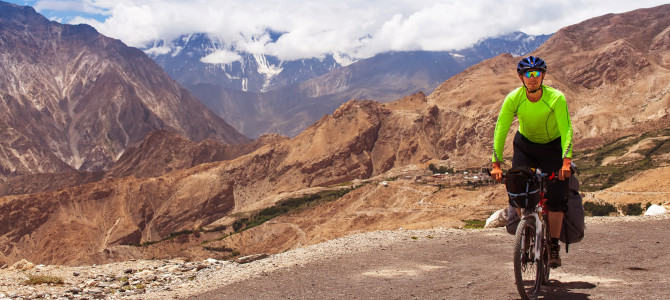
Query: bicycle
x=531, y=243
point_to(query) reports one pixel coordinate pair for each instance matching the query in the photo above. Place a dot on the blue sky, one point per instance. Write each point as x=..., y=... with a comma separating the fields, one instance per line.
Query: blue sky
x=354, y=28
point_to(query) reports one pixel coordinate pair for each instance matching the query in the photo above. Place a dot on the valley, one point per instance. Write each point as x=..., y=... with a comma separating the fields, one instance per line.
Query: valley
x=124, y=164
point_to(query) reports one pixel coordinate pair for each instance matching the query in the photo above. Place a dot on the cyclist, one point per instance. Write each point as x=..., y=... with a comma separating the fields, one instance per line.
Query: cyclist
x=544, y=139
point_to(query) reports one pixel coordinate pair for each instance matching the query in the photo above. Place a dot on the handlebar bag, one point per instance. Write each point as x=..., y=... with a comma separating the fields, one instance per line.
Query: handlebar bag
x=523, y=187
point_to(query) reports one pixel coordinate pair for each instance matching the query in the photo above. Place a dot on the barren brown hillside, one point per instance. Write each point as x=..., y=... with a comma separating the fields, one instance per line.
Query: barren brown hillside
x=361, y=144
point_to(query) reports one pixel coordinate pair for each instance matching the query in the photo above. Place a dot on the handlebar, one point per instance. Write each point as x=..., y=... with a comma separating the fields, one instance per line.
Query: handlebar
x=549, y=176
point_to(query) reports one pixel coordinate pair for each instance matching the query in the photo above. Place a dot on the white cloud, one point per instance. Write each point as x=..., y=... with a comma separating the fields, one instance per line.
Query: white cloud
x=70, y=5
x=221, y=57
x=352, y=28
x=155, y=51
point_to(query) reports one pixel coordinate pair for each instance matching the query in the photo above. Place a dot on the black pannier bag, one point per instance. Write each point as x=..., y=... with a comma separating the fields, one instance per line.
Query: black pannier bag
x=573, y=227
x=523, y=187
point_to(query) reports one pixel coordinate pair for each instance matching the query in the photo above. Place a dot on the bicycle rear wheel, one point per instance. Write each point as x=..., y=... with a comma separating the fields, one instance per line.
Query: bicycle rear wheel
x=527, y=269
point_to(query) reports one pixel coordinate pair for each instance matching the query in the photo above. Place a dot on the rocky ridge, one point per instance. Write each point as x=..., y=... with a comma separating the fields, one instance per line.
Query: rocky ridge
x=73, y=99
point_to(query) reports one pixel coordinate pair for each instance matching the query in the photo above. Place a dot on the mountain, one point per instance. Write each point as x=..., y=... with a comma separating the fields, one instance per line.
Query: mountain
x=261, y=94
x=184, y=60
x=612, y=69
x=73, y=99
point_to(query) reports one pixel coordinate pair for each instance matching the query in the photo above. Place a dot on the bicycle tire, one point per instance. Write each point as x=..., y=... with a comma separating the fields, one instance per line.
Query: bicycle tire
x=546, y=240
x=527, y=270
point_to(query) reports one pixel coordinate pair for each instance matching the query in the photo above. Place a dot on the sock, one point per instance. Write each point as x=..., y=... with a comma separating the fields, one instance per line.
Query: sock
x=554, y=241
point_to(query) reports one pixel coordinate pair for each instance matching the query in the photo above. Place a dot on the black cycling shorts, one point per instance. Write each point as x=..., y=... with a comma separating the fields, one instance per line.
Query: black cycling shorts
x=549, y=158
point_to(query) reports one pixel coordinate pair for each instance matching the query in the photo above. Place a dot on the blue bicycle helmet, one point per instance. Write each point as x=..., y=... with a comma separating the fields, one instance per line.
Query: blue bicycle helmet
x=531, y=62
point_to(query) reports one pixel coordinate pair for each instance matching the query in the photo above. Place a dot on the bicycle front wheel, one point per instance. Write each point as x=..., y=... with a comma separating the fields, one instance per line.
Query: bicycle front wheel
x=545, y=252
x=527, y=268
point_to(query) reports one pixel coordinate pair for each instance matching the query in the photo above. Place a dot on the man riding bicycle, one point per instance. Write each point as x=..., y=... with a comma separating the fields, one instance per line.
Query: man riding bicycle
x=544, y=139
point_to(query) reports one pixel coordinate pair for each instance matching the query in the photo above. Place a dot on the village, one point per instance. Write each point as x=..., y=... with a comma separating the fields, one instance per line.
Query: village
x=442, y=177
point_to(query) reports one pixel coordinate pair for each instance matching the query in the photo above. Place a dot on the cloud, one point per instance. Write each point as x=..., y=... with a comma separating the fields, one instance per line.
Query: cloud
x=352, y=28
x=70, y=5
x=221, y=57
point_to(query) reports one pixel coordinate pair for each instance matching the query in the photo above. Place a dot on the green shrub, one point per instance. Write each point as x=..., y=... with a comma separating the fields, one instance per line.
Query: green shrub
x=440, y=169
x=474, y=224
x=632, y=209
x=598, y=209
x=44, y=279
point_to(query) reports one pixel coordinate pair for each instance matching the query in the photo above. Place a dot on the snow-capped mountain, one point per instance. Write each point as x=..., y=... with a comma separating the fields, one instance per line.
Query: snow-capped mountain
x=516, y=43
x=262, y=94
x=201, y=59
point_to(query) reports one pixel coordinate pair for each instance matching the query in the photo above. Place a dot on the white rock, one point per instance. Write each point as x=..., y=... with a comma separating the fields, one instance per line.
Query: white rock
x=211, y=261
x=497, y=219
x=22, y=265
x=655, y=210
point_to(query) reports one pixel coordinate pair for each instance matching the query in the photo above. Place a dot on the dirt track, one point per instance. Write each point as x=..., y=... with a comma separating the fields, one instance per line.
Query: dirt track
x=620, y=258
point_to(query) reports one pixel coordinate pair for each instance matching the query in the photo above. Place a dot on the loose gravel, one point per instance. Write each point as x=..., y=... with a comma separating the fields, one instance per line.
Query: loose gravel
x=161, y=279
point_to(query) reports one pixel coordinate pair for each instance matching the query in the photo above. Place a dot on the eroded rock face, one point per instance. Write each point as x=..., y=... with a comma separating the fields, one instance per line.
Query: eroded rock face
x=73, y=99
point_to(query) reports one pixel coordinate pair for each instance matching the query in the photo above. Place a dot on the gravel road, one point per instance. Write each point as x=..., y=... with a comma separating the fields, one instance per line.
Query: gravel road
x=620, y=258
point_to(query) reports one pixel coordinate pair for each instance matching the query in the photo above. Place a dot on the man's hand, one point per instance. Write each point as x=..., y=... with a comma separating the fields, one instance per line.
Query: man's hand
x=496, y=173
x=565, y=172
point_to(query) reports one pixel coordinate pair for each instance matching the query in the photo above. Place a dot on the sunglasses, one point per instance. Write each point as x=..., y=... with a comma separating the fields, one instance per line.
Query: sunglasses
x=532, y=74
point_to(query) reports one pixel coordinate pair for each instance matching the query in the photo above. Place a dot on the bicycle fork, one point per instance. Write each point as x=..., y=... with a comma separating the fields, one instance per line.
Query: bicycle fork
x=538, y=235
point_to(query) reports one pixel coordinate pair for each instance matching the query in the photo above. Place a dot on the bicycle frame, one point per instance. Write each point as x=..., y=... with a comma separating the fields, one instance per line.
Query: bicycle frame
x=541, y=208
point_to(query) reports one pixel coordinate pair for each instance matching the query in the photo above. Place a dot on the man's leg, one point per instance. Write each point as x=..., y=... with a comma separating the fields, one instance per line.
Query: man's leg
x=555, y=223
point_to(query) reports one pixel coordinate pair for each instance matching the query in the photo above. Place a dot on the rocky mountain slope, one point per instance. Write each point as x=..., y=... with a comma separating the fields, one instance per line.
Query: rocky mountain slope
x=362, y=143
x=161, y=152
x=73, y=99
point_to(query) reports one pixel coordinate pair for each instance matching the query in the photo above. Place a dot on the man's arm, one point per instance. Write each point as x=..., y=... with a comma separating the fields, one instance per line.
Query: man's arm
x=503, y=124
x=565, y=128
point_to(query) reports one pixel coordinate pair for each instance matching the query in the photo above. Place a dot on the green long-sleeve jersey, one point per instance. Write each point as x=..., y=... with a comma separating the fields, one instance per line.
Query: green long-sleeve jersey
x=540, y=122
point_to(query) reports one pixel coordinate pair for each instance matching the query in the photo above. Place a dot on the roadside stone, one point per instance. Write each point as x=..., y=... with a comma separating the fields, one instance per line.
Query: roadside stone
x=497, y=219
x=93, y=291
x=250, y=258
x=22, y=265
x=655, y=209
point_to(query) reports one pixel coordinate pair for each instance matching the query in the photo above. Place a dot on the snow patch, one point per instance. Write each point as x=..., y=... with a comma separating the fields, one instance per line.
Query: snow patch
x=343, y=59
x=267, y=69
